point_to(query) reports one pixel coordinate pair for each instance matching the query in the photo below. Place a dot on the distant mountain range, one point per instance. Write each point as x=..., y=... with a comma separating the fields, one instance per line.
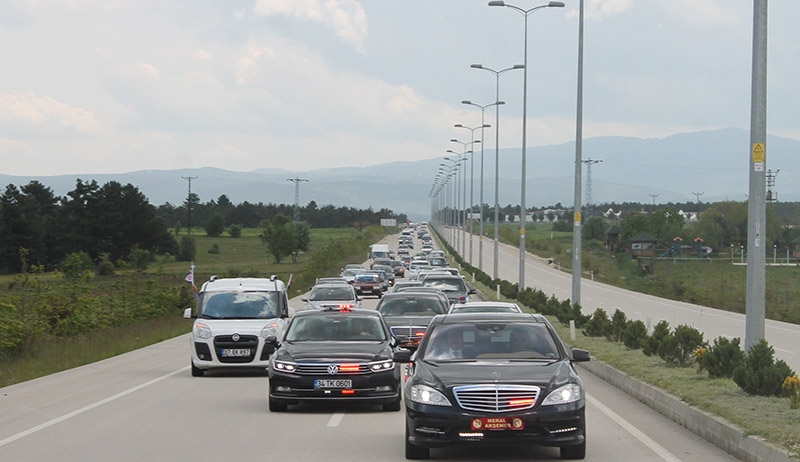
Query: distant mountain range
x=710, y=165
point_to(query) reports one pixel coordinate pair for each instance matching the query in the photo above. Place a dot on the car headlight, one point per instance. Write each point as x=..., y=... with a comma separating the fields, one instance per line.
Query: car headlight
x=382, y=366
x=202, y=330
x=569, y=393
x=424, y=394
x=285, y=366
x=273, y=329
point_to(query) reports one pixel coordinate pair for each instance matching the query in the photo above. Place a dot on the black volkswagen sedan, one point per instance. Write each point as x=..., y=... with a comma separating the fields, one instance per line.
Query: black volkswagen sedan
x=494, y=379
x=334, y=355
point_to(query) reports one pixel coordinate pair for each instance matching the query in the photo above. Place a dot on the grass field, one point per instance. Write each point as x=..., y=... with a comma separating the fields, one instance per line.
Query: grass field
x=244, y=256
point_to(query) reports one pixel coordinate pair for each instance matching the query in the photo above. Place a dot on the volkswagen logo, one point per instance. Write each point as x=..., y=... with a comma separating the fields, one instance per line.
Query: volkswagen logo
x=235, y=337
x=333, y=369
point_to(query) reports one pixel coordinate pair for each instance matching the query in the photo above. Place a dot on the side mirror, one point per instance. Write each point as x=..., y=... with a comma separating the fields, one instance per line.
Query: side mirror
x=579, y=355
x=305, y=299
x=291, y=312
x=402, y=356
x=187, y=313
x=472, y=291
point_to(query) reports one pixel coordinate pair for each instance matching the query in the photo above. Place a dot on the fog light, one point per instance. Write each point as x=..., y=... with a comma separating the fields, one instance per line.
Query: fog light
x=283, y=389
x=471, y=435
x=383, y=388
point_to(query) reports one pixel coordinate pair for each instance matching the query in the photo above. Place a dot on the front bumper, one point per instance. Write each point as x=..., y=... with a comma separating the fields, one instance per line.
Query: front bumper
x=437, y=426
x=209, y=353
x=377, y=388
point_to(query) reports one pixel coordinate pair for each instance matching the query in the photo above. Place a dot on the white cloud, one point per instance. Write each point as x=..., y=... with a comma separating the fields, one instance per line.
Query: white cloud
x=202, y=55
x=598, y=10
x=346, y=17
x=43, y=115
x=147, y=70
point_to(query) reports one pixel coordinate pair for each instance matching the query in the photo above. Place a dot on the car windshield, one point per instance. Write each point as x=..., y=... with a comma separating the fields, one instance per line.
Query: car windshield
x=490, y=341
x=239, y=305
x=445, y=285
x=335, y=328
x=411, y=306
x=366, y=278
x=331, y=293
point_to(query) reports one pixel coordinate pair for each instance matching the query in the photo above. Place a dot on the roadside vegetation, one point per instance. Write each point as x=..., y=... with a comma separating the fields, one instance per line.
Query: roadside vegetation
x=53, y=321
x=752, y=390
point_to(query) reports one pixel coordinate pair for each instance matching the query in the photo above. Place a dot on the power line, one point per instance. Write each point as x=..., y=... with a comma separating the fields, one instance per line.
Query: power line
x=296, y=182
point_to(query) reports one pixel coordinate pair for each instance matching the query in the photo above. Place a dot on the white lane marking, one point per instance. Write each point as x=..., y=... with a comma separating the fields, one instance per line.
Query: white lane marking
x=646, y=440
x=97, y=404
x=336, y=419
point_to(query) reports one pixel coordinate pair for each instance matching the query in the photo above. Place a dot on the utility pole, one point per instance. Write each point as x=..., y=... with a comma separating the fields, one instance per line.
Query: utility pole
x=589, y=163
x=698, y=194
x=654, y=198
x=755, y=307
x=189, y=200
x=296, y=182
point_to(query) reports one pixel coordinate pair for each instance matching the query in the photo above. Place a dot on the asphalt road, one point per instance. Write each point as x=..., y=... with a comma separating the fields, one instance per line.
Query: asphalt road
x=145, y=405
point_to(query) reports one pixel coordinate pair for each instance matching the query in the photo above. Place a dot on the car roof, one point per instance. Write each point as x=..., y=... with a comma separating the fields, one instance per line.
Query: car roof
x=457, y=318
x=410, y=294
x=216, y=284
x=489, y=304
x=332, y=312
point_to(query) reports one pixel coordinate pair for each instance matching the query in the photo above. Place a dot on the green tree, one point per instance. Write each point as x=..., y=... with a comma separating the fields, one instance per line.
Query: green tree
x=215, y=225
x=279, y=237
x=633, y=225
x=594, y=228
x=665, y=224
x=27, y=219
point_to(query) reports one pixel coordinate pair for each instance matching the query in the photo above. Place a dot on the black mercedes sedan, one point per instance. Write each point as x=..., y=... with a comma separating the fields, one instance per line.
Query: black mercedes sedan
x=408, y=314
x=494, y=379
x=334, y=355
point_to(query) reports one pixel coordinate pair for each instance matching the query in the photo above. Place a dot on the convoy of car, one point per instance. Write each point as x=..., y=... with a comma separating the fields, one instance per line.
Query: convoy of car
x=469, y=373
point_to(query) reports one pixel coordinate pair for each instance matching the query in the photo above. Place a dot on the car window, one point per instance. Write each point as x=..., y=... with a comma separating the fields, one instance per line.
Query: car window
x=421, y=306
x=331, y=293
x=445, y=285
x=490, y=341
x=335, y=328
x=239, y=305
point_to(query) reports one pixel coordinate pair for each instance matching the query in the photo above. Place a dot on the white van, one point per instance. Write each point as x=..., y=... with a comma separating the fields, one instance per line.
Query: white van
x=232, y=320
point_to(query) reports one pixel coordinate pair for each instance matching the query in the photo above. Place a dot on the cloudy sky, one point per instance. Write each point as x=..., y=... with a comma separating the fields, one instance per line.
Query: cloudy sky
x=109, y=86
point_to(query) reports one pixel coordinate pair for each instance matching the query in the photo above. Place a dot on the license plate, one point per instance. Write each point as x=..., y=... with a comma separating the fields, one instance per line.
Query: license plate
x=333, y=383
x=235, y=352
x=498, y=423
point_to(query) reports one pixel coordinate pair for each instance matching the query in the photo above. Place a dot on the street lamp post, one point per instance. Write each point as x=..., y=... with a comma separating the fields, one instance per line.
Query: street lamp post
x=522, y=210
x=472, y=179
x=480, y=200
x=462, y=210
x=454, y=168
x=497, y=156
